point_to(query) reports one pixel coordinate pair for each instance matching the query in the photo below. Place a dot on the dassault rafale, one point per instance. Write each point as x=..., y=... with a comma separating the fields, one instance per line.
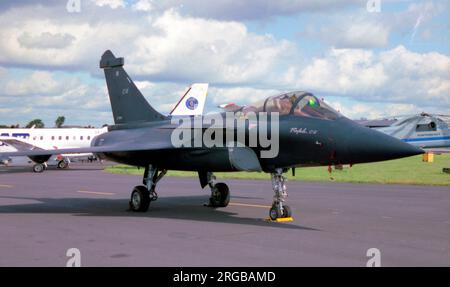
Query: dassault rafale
x=283, y=132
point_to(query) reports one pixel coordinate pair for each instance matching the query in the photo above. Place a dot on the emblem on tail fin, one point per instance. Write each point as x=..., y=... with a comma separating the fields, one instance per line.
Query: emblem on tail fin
x=191, y=103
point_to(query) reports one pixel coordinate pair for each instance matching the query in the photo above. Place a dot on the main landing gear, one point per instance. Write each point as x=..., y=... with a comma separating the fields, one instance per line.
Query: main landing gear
x=39, y=167
x=279, y=209
x=220, y=193
x=142, y=195
x=63, y=164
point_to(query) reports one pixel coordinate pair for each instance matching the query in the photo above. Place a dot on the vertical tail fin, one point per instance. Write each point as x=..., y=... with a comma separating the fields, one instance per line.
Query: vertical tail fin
x=193, y=101
x=127, y=103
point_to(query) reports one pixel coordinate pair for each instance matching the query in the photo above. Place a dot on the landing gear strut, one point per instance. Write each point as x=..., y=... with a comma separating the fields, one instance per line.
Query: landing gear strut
x=279, y=209
x=142, y=195
x=220, y=193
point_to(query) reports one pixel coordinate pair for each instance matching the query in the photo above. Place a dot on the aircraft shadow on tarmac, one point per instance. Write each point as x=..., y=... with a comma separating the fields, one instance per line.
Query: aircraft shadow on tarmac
x=181, y=208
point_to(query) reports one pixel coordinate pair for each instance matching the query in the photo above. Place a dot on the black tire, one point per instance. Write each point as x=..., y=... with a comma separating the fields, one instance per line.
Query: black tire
x=62, y=164
x=140, y=199
x=275, y=212
x=38, y=168
x=287, y=212
x=220, y=197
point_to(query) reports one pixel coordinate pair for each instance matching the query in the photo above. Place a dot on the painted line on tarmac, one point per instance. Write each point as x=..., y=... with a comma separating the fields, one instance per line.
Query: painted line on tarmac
x=248, y=205
x=6, y=186
x=95, y=192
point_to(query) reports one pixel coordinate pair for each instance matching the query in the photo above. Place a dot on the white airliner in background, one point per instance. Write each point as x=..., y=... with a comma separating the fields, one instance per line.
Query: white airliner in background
x=54, y=138
x=192, y=103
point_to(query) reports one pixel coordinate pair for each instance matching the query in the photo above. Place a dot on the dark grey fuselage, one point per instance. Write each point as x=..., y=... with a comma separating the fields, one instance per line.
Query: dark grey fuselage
x=303, y=141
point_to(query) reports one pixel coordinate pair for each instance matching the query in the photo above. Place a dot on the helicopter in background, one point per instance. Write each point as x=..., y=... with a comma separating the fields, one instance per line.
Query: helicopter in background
x=427, y=131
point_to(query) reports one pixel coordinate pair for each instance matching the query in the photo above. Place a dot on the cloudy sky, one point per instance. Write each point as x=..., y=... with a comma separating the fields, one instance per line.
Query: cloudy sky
x=388, y=59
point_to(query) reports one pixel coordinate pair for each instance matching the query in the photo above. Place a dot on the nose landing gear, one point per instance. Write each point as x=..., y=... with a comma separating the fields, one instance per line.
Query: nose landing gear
x=279, y=210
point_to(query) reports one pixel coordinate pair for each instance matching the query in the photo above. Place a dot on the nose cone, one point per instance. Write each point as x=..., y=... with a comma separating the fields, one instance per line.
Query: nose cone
x=367, y=145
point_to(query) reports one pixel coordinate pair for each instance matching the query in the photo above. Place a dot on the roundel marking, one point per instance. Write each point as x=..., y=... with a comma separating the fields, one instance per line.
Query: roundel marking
x=192, y=103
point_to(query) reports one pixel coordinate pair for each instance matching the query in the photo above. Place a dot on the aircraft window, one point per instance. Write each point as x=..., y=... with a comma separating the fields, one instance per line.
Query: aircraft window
x=42, y=138
x=310, y=106
x=81, y=137
x=426, y=127
x=89, y=137
x=67, y=138
x=34, y=138
x=53, y=138
x=296, y=103
x=282, y=104
x=60, y=137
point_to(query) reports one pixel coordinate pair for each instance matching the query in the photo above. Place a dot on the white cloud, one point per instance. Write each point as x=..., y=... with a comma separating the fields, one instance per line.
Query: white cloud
x=360, y=33
x=17, y=47
x=351, y=29
x=414, y=76
x=396, y=75
x=114, y=4
x=344, y=71
x=43, y=94
x=161, y=47
x=239, y=95
x=143, y=5
x=141, y=85
x=45, y=40
x=206, y=50
x=37, y=83
x=357, y=28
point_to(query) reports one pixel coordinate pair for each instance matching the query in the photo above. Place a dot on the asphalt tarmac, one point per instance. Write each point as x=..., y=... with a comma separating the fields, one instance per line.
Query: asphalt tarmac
x=43, y=215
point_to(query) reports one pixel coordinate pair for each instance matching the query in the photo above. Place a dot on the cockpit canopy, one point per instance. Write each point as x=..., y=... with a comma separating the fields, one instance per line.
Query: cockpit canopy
x=301, y=104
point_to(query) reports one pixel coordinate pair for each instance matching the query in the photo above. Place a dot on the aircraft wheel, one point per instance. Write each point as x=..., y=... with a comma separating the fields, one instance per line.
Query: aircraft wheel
x=287, y=212
x=140, y=199
x=38, y=168
x=275, y=212
x=220, y=196
x=62, y=164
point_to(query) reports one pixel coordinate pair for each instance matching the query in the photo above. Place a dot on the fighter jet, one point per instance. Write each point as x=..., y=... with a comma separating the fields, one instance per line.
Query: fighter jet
x=285, y=131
